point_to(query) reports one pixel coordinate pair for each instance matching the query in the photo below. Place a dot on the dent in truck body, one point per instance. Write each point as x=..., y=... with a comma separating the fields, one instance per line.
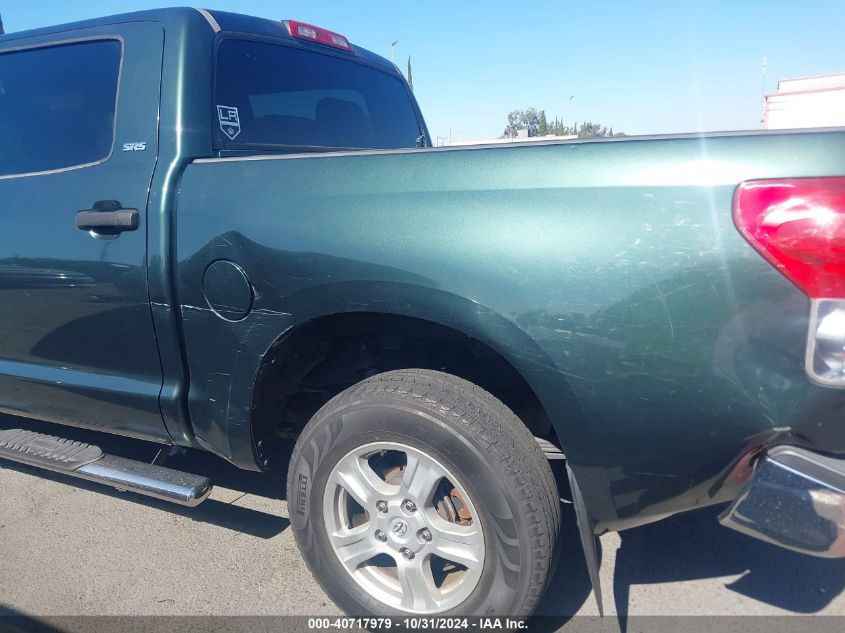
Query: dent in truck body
x=609, y=274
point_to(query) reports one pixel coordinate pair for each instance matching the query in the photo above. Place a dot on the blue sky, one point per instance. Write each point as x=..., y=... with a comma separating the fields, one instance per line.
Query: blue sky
x=643, y=67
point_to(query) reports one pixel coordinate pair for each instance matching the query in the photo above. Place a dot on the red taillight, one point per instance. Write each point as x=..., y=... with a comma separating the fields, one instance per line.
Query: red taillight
x=798, y=224
x=303, y=31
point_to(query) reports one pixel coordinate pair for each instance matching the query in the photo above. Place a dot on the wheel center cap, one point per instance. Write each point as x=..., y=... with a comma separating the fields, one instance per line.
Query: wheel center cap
x=400, y=528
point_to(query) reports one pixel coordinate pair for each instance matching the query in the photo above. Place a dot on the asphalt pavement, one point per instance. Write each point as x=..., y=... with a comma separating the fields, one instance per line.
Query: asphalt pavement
x=69, y=547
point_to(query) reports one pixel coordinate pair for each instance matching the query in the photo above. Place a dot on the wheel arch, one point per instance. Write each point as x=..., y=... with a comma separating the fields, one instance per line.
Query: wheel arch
x=398, y=304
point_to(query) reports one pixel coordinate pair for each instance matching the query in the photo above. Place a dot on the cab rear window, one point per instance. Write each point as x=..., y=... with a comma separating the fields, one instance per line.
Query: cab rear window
x=277, y=96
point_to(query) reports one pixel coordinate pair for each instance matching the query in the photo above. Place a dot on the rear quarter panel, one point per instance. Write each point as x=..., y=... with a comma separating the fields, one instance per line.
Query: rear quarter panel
x=609, y=273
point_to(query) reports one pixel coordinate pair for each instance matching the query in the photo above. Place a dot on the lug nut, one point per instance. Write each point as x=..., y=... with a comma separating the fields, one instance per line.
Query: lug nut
x=381, y=536
x=409, y=506
x=382, y=506
x=408, y=554
x=425, y=534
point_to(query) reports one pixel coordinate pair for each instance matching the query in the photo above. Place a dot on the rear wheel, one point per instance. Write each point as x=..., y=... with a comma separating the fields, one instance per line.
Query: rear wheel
x=417, y=492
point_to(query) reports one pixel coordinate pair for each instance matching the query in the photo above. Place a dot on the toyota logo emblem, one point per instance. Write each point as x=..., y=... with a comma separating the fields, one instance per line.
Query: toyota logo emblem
x=400, y=528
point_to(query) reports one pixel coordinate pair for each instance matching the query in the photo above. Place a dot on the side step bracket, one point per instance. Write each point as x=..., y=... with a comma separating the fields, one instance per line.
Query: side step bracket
x=87, y=461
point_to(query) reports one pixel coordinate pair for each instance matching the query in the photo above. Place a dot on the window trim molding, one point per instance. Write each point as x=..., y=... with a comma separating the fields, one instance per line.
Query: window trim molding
x=67, y=42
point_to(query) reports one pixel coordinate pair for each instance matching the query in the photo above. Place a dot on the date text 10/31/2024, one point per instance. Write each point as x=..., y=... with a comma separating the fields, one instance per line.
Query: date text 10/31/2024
x=417, y=623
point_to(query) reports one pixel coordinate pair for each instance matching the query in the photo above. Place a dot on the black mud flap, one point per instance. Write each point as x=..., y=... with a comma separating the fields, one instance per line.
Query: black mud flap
x=588, y=539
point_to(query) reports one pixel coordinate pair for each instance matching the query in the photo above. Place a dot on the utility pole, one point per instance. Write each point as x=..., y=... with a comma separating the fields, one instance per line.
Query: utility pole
x=763, y=89
x=392, y=47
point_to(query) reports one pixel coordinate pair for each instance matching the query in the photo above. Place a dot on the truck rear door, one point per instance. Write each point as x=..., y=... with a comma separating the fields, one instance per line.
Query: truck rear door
x=78, y=145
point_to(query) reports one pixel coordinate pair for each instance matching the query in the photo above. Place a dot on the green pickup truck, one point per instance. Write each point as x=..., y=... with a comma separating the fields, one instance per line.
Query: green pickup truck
x=221, y=232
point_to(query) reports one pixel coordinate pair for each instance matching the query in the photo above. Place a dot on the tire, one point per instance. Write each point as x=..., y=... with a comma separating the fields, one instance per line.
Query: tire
x=480, y=488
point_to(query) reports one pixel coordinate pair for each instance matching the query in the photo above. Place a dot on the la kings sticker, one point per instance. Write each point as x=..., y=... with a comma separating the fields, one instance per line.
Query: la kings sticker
x=230, y=123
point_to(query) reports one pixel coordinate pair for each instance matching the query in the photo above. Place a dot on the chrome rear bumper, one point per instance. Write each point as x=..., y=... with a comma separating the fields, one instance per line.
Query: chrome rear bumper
x=795, y=499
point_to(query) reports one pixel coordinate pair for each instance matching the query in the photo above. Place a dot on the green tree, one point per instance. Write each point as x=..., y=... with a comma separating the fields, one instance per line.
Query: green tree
x=537, y=124
x=523, y=120
x=531, y=121
x=514, y=123
x=589, y=129
x=542, y=124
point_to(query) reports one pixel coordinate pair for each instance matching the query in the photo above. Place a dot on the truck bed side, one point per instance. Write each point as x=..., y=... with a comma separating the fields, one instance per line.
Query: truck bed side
x=609, y=274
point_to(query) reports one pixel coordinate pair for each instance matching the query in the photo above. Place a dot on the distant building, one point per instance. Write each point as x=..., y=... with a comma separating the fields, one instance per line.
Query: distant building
x=806, y=102
x=520, y=138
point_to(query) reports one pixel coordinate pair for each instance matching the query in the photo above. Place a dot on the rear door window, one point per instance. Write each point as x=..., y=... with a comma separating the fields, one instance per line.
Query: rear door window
x=284, y=97
x=57, y=106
